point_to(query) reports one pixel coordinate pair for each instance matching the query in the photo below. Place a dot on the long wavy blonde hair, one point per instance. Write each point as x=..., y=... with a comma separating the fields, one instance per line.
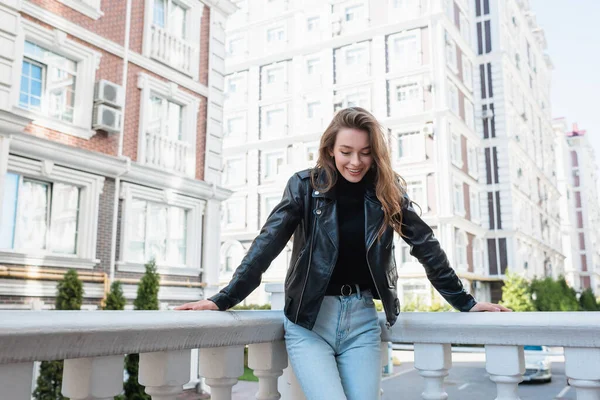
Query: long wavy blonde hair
x=389, y=186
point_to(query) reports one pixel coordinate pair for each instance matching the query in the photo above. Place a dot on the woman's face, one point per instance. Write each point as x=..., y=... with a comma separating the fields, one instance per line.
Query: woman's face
x=352, y=154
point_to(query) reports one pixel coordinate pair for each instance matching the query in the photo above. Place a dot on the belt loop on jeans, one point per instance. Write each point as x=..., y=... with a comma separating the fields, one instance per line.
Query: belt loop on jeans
x=358, y=291
x=348, y=288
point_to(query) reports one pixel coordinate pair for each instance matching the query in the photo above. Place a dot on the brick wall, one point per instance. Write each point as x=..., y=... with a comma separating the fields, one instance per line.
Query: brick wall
x=105, y=217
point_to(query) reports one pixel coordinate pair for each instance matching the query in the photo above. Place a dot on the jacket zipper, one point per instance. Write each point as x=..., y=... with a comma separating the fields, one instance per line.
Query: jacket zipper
x=308, y=269
x=387, y=323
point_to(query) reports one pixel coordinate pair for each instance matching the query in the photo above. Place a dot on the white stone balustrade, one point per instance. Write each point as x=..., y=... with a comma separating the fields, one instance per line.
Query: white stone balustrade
x=164, y=152
x=172, y=50
x=93, y=344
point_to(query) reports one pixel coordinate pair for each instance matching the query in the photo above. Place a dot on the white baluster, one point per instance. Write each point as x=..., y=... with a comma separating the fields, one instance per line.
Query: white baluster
x=221, y=367
x=433, y=361
x=164, y=373
x=506, y=365
x=15, y=380
x=268, y=361
x=95, y=378
x=582, y=367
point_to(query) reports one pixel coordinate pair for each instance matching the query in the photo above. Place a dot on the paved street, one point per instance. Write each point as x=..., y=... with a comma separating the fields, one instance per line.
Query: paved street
x=468, y=380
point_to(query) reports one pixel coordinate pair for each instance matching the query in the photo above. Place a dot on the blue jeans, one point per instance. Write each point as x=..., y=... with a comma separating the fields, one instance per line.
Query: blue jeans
x=341, y=357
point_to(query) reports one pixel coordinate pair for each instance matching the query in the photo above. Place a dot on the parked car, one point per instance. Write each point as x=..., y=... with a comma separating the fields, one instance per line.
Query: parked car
x=538, y=366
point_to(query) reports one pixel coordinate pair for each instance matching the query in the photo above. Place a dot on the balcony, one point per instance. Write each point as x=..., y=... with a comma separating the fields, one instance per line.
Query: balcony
x=93, y=344
x=163, y=152
x=173, y=50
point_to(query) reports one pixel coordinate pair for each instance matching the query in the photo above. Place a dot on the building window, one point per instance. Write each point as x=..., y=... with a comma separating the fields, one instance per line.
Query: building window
x=39, y=215
x=467, y=72
x=416, y=193
x=459, y=201
x=472, y=161
x=312, y=66
x=355, y=56
x=405, y=49
x=405, y=256
x=461, y=251
x=451, y=53
x=276, y=35
x=171, y=16
x=158, y=231
x=484, y=37
x=235, y=127
x=234, y=215
x=48, y=82
x=272, y=165
x=312, y=154
x=469, y=114
x=235, y=172
x=411, y=146
x=474, y=205
x=453, y=98
x=313, y=110
x=407, y=93
x=235, y=46
x=268, y=203
x=312, y=24
x=456, y=154
x=273, y=121
x=478, y=255
x=165, y=118
x=353, y=13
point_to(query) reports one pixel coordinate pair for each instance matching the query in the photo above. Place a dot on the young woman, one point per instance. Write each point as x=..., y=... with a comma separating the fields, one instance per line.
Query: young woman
x=343, y=215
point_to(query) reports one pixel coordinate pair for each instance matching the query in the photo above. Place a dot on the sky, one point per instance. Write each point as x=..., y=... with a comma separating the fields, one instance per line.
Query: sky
x=572, y=29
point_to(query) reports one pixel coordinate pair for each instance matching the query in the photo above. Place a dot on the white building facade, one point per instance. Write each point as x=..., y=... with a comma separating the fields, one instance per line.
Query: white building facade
x=580, y=207
x=463, y=88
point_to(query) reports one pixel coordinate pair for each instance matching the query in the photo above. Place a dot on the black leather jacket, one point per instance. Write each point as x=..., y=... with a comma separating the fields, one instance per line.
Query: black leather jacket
x=311, y=217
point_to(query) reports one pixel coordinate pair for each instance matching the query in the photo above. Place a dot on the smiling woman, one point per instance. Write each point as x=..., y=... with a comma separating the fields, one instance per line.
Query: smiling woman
x=343, y=214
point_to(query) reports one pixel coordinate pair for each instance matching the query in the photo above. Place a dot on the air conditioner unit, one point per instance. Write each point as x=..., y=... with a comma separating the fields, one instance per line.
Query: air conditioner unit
x=108, y=93
x=428, y=129
x=485, y=114
x=107, y=119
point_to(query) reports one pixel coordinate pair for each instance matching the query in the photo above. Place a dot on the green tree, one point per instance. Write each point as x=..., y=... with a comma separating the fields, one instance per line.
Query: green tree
x=115, y=299
x=587, y=301
x=69, y=297
x=553, y=295
x=516, y=293
x=146, y=299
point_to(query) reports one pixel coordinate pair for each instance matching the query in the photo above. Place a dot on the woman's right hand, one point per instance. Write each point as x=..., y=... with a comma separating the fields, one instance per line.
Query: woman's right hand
x=198, y=305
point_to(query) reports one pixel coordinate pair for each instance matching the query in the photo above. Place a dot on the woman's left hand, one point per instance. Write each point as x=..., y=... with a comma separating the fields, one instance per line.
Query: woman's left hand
x=491, y=307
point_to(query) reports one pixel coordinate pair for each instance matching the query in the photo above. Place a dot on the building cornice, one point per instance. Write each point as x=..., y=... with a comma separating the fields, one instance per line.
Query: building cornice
x=224, y=6
x=152, y=177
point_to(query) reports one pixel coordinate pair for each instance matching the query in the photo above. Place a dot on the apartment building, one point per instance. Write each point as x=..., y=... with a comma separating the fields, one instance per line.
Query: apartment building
x=110, y=146
x=579, y=206
x=520, y=205
x=291, y=65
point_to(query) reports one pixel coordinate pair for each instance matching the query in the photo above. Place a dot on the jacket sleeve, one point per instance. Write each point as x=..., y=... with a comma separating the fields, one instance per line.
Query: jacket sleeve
x=274, y=235
x=426, y=248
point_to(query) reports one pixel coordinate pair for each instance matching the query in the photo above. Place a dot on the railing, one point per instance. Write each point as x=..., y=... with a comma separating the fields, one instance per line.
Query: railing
x=93, y=344
x=172, y=50
x=164, y=152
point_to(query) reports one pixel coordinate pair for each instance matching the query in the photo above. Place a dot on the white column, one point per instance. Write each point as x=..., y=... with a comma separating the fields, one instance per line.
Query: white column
x=211, y=236
x=95, y=378
x=582, y=367
x=268, y=361
x=506, y=365
x=288, y=383
x=15, y=380
x=164, y=373
x=221, y=367
x=433, y=362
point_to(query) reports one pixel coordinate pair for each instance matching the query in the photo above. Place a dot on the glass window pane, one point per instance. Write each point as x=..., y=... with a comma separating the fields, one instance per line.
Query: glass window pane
x=137, y=232
x=9, y=210
x=177, y=235
x=157, y=232
x=177, y=20
x=61, y=94
x=159, y=13
x=32, y=221
x=63, y=220
x=175, y=119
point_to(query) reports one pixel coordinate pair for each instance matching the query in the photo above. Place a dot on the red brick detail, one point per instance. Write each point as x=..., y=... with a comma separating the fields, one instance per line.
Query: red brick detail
x=201, y=140
x=204, y=45
x=136, y=34
x=111, y=26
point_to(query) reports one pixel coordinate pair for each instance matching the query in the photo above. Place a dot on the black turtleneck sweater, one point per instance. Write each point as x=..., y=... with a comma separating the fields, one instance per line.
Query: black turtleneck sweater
x=351, y=266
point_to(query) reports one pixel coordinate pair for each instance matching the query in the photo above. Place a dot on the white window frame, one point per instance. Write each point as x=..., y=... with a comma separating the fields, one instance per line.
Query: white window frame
x=341, y=97
x=469, y=113
x=274, y=89
x=421, y=183
x=87, y=60
x=351, y=72
x=453, y=98
x=264, y=211
x=194, y=235
x=474, y=205
x=417, y=145
x=311, y=147
x=242, y=176
x=467, y=67
x=242, y=47
x=458, y=198
x=194, y=11
x=399, y=65
x=279, y=29
x=472, y=161
x=456, y=150
x=263, y=160
x=465, y=28
x=169, y=91
x=353, y=8
x=461, y=250
x=238, y=203
x=89, y=8
x=451, y=53
x=310, y=21
x=228, y=248
x=272, y=132
x=407, y=10
x=228, y=134
x=478, y=256
x=87, y=220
